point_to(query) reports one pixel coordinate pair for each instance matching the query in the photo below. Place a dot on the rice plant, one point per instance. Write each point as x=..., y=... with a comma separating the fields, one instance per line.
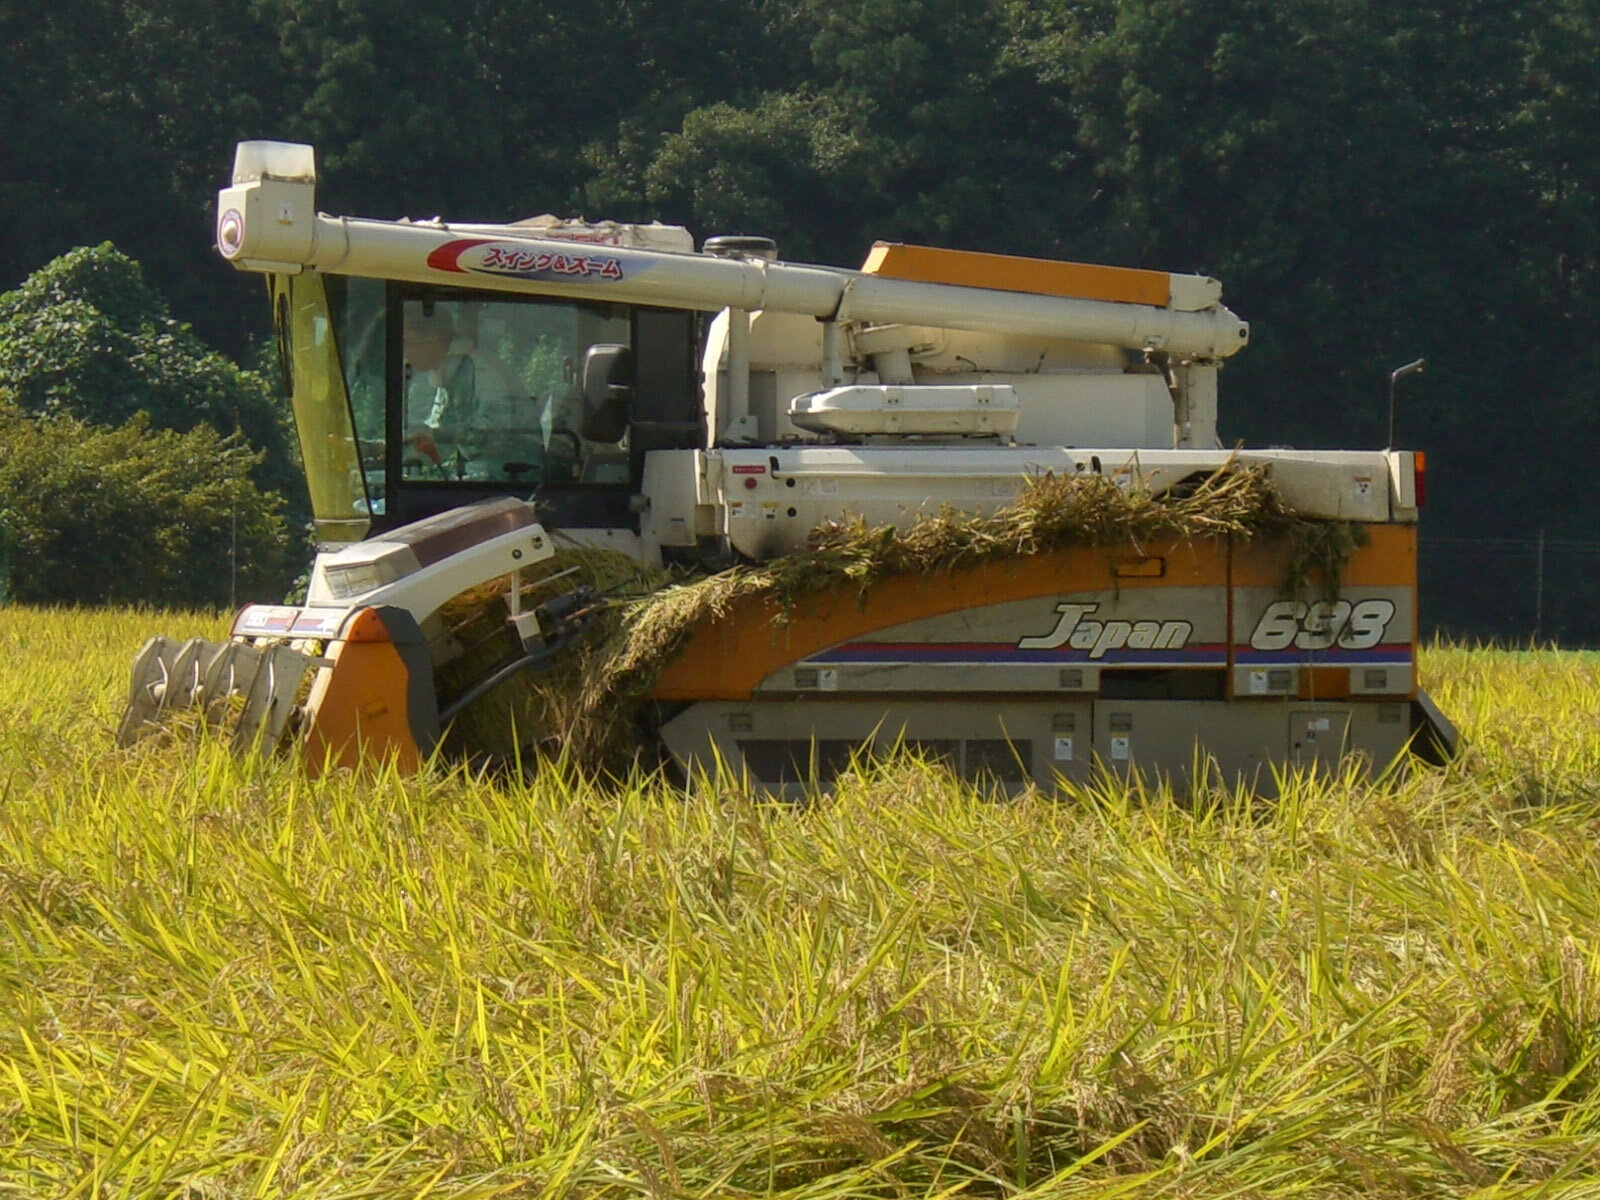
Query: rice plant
x=220, y=979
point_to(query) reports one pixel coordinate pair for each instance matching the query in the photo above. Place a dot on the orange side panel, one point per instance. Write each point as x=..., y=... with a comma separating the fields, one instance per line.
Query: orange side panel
x=359, y=707
x=1389, y=559
x=1008, y=273
x=1324, y=683
x=366, y=626
x=727, y=659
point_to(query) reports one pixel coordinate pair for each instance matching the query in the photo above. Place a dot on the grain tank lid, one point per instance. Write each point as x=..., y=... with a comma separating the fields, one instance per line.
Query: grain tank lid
x=955, y=410
x=1043, y=277
x=654, y=236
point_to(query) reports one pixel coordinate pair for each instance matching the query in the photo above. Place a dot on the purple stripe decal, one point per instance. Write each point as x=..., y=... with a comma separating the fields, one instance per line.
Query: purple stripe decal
x=977, y=653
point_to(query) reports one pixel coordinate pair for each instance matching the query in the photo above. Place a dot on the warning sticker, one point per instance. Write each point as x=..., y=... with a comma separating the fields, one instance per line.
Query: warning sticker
x=1119, y=747
x=1063, y=749
x=1258, y=683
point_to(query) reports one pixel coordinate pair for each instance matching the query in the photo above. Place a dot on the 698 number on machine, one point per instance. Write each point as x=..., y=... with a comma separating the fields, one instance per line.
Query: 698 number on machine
x=1322, y=624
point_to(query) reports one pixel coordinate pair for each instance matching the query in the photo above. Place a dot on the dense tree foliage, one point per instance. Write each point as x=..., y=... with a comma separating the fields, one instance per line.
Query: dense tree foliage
x=84, y=336
x=94, y=514
x=136, y=464
x=1373, y=182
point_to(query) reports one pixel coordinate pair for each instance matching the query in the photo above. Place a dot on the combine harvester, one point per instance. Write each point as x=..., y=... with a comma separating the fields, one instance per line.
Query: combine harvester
x=470, y=399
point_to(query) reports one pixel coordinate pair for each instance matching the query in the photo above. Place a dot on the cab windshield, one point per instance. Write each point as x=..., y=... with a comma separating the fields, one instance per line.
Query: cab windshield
x=410, y=399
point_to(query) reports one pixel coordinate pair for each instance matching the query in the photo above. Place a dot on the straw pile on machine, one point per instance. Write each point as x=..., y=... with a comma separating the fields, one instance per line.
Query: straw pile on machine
x=587, y=710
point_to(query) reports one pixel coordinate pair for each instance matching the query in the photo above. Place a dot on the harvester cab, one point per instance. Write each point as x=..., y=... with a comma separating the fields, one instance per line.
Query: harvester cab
x=702, y=409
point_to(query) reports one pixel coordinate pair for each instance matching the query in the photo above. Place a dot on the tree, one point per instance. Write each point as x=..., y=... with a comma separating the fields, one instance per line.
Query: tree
x=1373, y=182
x=937, y=121
x=133, y=514
x=85, y=337
x=773, y=168
x=120, y=125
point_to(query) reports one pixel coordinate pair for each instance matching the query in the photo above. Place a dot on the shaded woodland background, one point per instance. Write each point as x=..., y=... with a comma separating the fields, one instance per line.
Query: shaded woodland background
x=1373, y=182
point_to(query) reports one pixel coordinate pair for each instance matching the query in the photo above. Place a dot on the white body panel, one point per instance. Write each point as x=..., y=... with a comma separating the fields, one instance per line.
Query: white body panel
x=766, y=501
x=1069, y=393
x=374, y=573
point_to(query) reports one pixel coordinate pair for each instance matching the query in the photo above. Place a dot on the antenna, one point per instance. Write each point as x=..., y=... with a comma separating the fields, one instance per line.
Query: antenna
x=1411, y=368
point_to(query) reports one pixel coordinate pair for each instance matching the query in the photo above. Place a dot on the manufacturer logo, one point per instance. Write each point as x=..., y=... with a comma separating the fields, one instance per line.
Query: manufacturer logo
x=511, y=261
x=1075, y=629
x=482, y=255
x=1322, y=624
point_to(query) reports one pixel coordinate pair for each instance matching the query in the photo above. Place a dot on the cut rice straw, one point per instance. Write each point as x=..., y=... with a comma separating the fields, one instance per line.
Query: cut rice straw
x=592, y=708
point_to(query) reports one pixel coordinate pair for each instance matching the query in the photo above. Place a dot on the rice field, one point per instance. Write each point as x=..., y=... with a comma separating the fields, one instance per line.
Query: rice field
x=218, y=979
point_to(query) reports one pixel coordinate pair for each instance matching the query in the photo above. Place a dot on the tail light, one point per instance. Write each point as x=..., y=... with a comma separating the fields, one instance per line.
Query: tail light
x=1419, y=476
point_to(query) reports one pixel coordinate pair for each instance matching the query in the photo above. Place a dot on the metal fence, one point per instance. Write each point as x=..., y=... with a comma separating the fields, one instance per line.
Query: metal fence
x=1517, y=591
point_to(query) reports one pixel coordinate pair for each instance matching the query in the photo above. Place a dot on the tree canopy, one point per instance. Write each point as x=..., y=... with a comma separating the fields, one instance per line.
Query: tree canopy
x=1372, y=182
x=95, y=514
x=85, y=337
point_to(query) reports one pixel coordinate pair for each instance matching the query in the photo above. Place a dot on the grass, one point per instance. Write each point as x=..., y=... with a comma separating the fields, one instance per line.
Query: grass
x=218, y=979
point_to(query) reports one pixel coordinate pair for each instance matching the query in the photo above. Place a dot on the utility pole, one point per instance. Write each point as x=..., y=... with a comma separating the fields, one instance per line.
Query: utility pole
x=233, y=518
x=1538, y=592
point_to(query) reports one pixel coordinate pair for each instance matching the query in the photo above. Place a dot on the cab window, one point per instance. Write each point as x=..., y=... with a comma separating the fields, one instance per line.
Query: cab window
x=489, y=391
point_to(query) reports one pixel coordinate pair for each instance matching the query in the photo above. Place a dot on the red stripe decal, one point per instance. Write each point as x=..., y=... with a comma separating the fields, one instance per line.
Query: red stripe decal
x=444, y=257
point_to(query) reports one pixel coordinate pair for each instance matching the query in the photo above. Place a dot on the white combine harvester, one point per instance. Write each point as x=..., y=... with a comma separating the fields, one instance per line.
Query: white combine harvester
x=466, y=395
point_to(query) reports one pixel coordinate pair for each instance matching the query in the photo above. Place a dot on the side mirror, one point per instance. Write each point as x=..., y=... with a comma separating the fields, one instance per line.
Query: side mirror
x=607, y=392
